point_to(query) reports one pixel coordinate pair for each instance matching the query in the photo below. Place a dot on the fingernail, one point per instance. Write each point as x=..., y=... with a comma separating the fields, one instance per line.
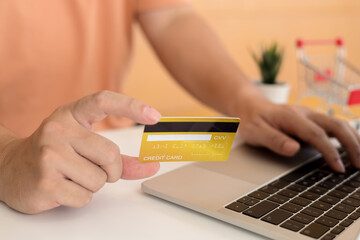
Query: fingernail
x=290, y=147
x=340, y=166
x=152, y=113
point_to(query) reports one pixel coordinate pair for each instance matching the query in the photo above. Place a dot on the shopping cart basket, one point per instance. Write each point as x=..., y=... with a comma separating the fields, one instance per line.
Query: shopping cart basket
x=329, y=77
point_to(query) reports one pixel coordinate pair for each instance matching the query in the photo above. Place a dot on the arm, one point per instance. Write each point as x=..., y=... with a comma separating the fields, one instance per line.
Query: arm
x=193, y=55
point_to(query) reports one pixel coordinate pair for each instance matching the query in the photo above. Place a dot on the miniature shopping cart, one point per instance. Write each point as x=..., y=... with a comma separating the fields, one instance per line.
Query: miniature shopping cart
x=328, y=77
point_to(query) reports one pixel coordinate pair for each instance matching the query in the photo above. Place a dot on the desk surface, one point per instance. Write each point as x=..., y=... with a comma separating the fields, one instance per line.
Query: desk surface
x=119, y=211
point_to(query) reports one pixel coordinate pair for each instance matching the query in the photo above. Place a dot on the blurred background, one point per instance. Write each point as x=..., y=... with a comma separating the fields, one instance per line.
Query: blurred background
x=243, y=25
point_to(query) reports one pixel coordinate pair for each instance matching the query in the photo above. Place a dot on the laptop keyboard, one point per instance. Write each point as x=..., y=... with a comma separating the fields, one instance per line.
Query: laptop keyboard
x=311, y=200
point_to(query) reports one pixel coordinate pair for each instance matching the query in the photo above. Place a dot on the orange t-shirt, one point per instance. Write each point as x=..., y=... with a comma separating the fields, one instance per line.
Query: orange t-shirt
x=56, y=51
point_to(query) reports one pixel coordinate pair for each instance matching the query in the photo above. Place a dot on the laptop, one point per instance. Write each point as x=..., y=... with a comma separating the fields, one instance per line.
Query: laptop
x=274, y=196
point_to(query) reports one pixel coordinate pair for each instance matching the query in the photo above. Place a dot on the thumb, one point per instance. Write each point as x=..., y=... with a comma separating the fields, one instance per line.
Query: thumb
x=95, y=107
x=133, y=169
x=277, y=141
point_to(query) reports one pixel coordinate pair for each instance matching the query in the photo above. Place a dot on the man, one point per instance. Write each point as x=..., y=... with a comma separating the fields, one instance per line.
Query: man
x=54, y=52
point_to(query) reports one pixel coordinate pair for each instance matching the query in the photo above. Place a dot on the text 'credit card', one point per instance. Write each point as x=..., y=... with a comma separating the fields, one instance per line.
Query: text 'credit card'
x=188, y=139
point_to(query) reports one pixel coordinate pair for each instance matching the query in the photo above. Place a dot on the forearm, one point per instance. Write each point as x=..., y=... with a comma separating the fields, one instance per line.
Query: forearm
x=194, y=56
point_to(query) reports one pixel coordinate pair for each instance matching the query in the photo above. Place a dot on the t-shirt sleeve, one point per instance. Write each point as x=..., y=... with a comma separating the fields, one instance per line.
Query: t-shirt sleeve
x=149, y=5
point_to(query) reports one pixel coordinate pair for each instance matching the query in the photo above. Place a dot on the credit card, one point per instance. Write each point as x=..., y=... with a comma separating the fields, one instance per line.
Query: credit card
x=188, y=139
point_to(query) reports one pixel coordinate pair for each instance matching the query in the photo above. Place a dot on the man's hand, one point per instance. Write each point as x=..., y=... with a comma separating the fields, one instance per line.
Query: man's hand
x=63, y=162
x=270, y=125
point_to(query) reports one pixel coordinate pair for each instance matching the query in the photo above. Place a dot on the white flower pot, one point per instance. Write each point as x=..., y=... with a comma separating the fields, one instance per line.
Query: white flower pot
x=276, y=93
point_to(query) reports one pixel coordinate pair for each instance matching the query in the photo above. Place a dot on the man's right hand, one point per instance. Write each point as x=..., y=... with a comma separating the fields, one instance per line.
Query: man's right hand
x=63, y=162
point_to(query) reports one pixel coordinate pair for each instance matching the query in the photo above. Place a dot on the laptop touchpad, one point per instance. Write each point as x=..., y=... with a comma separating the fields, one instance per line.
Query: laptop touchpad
x=257, y=165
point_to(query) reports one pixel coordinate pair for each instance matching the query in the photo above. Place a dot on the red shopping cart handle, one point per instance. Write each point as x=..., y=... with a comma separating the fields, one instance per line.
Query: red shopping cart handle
x=338, y=42
x=354, y=97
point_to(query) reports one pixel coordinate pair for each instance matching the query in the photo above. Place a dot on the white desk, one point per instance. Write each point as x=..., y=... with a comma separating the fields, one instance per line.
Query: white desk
x=119, y=211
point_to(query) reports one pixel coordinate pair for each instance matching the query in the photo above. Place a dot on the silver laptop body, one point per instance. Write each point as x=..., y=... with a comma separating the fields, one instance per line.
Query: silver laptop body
x=208, y=187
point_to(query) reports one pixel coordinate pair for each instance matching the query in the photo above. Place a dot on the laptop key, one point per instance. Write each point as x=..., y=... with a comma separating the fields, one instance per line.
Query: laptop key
x=343, y=176
x=328, y=236
x=347, y=222
x=314, y=212
x=356, y=177
x=303, y=170
x=259, y=195
x=310, y=195
x=269, y=189
x=306, y=182
x=291, y=207
x=338, y=194
x=293, y=176
x=344, y=208
x=314, y=177
x=354, y=216
x=352, y=183
x=337, y=230
x=352, y=202
x=279, y=183
x=297, y=188
x=244, y=199
x=278, y=199
x=237, y=207
x=288, y=193
x=345, y=188
x=326, y=184
x=260, y=209
x=252, y=202
x=336, y=214
x=315, y=230
x=335, y=179
x=301, y=201
x=318, y=190
x=355, y=195
x=276, y=217
x=303, y=218
x=330, y=199
x=327, y=221
x=321, y=205
x=292, y=225
x=350, y=170
x=320, y=174
x=326, y=169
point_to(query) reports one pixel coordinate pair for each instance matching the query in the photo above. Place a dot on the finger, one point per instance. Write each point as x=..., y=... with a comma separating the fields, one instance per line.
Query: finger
x=276, y=140
x=356, y=133
x=101, y=152
x=347, y=136
x=82, y=171
x=96, y=107
x=310, y=132
x=133, y=169
x=72, y=195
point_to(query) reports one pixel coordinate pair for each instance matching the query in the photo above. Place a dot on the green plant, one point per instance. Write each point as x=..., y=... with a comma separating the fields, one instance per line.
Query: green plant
x=269, y=63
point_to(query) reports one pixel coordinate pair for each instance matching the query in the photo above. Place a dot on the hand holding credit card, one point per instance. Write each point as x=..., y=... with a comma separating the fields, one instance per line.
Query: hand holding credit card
x=188, y=139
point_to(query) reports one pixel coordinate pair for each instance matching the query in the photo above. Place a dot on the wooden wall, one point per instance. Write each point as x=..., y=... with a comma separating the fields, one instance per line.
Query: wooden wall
x=243, y=25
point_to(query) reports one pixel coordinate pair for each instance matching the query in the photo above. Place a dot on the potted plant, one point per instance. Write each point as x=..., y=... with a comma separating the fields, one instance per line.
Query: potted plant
x=269, y=62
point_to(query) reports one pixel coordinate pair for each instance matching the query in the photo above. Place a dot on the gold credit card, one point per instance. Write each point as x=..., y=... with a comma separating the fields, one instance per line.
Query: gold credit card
x=188, y=139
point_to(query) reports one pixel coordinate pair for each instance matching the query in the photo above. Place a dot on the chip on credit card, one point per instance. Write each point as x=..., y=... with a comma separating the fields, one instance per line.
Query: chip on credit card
x=188, y=139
